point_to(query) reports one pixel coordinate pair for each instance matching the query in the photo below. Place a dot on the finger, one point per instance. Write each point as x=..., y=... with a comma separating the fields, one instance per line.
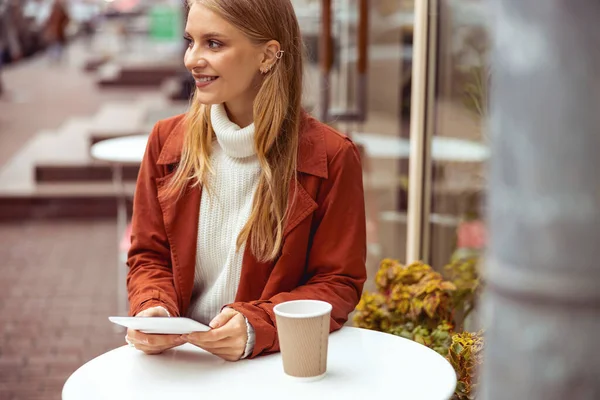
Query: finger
x=228, y=353
x=229, y=356
x=154, y=339
x=148, y=350
x=153, y=353
x=223, y=317
x=229, y=344
x=129, y=343
x=230, y=328
x=214, y=335
x=233, y=327
x=204, y=337
x=152, y=350
x=153, y=312
x=137, y=337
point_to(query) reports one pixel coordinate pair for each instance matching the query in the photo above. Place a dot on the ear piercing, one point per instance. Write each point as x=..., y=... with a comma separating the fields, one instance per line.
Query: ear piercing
x=278, y=55
x=266, y=69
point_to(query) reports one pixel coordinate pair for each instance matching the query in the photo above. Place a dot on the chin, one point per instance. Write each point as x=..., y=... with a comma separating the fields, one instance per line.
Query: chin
x=207, y=99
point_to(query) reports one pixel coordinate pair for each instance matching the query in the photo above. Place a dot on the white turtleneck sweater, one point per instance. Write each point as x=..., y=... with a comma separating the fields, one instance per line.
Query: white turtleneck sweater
x=224, y=210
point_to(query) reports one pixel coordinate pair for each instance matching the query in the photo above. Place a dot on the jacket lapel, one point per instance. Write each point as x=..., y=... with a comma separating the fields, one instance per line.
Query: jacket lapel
x=312, y=160
x=300, y=206
x=181, y=219
x=181, y=225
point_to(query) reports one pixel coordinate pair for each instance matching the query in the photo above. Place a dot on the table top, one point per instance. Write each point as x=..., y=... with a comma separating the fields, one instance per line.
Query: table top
x=362, y=364
x=130, y=149
x=121, y=150
x=443, y=148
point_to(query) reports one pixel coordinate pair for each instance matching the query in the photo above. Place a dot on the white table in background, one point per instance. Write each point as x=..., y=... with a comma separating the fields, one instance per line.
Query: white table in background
x=443, y=149
x=120, y=152
x=125, y=150
x=362, y=364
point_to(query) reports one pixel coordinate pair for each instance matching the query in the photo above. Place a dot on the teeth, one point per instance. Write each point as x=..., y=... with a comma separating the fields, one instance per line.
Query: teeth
x=206, y=79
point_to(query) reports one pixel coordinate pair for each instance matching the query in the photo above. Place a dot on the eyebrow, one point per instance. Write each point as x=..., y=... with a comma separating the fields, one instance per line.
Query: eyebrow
x=208, y=35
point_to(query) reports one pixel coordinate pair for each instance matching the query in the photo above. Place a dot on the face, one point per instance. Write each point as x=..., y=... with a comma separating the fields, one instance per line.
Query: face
x=224, y=62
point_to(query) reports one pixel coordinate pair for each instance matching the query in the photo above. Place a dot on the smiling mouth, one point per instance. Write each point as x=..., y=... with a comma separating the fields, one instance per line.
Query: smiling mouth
x=204, y=80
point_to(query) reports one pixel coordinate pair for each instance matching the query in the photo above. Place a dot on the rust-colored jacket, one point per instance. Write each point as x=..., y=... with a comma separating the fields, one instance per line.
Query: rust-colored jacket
x=324, y=249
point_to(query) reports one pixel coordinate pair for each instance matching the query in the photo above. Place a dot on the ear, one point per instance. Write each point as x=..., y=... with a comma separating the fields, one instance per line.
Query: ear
x=269, y=55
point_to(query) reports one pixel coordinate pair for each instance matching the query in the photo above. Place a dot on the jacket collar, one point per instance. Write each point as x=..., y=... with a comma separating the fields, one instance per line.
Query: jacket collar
x=312, y=152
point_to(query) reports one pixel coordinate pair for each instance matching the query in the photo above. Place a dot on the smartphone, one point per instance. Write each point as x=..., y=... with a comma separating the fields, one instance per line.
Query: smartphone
x=161, y=325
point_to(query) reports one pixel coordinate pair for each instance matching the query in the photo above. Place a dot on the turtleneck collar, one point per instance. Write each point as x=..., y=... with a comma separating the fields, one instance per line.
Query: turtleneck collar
x=236, y=142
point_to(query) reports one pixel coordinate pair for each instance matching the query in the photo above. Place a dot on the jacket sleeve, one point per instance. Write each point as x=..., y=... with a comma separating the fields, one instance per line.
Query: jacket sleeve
x=336, y=263
x=150, y=276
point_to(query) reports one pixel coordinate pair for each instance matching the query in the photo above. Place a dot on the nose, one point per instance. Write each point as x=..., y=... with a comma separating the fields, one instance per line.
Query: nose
x=194, y=59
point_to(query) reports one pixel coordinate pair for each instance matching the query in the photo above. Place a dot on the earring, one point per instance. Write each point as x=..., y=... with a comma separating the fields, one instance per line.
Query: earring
x=264, y=70
x=279, y=54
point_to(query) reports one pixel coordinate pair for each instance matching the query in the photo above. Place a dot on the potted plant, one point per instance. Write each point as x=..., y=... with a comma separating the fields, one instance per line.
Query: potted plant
x=420, y=304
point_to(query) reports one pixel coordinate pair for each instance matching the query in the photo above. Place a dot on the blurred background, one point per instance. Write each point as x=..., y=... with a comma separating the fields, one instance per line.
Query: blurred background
x=77, y=73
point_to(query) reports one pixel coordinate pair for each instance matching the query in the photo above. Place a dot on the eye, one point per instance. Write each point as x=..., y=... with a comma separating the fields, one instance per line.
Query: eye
x=189, y=40
x=214, y=45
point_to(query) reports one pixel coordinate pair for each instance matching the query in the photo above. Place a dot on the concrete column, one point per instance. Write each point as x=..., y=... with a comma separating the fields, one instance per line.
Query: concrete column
x=542, y=306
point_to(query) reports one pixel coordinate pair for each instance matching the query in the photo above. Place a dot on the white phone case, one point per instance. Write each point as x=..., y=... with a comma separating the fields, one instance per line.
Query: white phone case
x=161, y=325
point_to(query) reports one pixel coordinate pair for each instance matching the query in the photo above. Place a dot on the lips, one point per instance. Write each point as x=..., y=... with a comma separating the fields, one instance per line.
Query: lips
x=205, y=78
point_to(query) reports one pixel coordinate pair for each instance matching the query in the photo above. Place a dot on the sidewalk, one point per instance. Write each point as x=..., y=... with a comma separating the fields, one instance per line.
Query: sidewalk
x=58, y=278
x=56, y=292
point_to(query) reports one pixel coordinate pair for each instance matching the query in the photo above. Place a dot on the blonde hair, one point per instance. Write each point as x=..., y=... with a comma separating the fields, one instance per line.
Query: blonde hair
x=277, y=116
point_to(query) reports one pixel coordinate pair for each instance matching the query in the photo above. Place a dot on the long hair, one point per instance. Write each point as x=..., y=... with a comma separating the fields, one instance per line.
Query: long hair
x=277, y=116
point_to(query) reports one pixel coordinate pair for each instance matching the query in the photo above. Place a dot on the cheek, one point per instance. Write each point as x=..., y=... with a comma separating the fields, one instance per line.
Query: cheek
x=238, y=71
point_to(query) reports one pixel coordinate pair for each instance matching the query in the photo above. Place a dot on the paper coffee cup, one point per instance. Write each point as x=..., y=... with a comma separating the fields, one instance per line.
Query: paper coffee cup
x=303, y=331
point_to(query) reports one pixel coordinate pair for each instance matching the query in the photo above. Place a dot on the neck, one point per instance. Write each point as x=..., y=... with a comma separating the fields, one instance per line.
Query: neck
x=241, y=111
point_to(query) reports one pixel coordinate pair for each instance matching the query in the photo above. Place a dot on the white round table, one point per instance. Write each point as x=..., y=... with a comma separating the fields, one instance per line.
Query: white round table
x=362, y=364
x=443, y=148
x=121, y=151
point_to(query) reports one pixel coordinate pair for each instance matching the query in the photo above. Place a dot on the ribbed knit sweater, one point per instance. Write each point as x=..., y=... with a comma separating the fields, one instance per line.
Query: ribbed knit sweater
x=224, y=210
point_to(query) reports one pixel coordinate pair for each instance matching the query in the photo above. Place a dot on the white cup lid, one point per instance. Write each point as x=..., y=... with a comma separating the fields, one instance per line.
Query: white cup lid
x=302, y=309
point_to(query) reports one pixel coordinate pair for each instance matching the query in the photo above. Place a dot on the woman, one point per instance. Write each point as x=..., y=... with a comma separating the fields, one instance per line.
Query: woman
x=230, y=221
x=56, y=29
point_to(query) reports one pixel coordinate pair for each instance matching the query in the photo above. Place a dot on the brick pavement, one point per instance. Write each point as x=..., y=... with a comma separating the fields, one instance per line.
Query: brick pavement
x=56, y=291
x=57, y=279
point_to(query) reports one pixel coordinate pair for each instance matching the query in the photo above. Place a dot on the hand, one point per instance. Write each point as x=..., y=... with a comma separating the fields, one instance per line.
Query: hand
x=152, y=344
x=227, y=338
